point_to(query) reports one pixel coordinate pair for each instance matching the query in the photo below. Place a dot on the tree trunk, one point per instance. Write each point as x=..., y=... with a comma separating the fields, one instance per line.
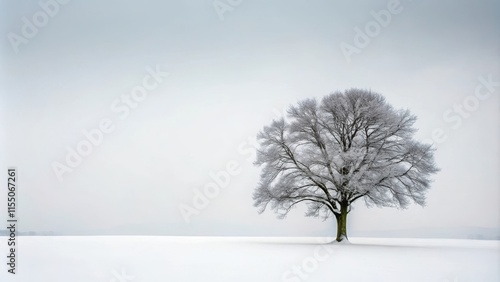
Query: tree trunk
x=342, y=223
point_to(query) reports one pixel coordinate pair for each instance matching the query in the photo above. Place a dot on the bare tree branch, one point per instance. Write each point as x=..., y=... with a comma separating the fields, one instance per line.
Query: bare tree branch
x=347, y=146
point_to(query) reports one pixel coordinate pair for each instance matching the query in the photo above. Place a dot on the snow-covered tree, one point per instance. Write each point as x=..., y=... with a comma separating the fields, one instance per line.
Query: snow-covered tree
x=348, y=146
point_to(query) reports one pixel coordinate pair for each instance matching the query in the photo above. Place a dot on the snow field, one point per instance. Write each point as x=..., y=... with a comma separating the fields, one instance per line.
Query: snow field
x=258, y=259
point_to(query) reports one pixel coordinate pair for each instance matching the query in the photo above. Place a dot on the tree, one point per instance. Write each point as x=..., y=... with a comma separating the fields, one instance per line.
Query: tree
x=349, y=146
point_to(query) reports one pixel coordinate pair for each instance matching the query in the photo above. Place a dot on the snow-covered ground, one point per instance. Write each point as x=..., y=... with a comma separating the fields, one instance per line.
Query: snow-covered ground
x=149, y=258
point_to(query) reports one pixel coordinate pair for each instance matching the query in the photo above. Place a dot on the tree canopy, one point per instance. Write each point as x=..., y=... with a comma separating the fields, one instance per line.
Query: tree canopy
x=349, y=145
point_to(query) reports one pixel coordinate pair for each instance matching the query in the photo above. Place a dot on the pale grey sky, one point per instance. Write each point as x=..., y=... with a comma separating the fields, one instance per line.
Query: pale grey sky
x=230, y=72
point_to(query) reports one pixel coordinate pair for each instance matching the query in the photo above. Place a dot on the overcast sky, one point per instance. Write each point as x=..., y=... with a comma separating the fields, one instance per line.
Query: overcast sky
x=232, y=67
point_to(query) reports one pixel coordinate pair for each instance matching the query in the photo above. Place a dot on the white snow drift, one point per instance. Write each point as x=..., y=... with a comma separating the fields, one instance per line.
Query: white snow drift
x=190, y=259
